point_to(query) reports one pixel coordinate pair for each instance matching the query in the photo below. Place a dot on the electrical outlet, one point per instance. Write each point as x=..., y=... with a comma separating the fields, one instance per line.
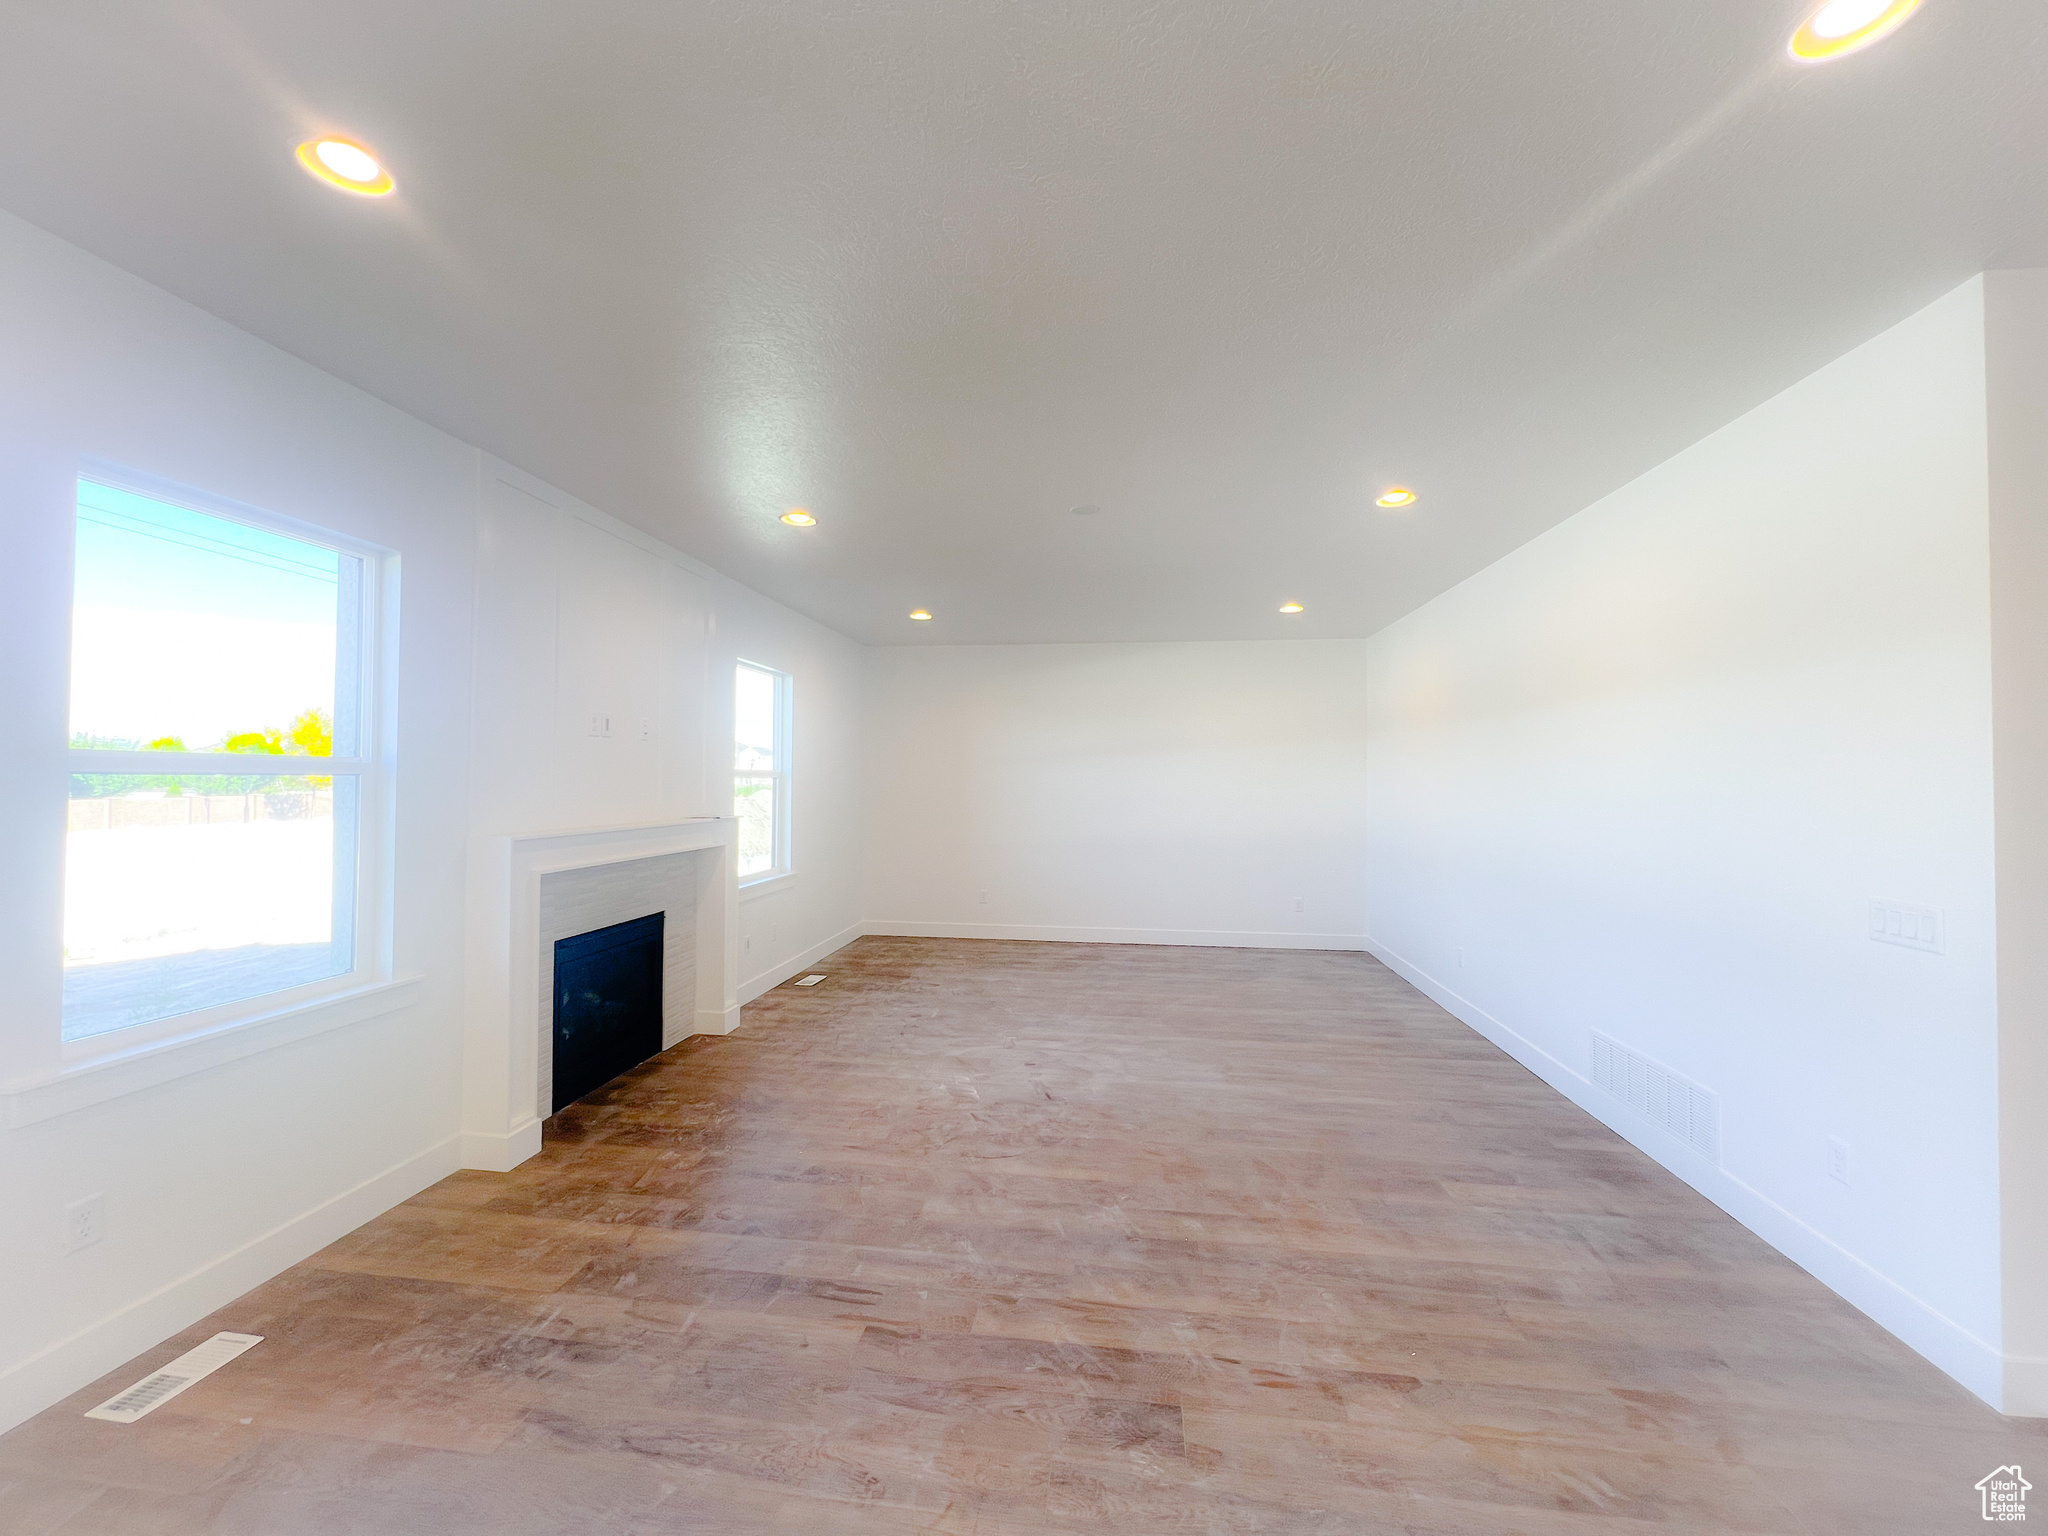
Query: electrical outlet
x=984, y=898
x=747, y=945
x=1838, y=1159
x=85, y=1222
x=646, y=729
x=1461, y=957
x=1297, y=903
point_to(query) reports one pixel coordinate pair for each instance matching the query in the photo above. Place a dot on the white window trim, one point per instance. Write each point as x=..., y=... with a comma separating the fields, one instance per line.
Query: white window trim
x=757, y=886
x=136, y=1066
x=372, y=766
x=783, y=867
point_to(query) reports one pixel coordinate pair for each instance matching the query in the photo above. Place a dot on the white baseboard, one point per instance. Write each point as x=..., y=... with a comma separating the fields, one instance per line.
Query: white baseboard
x=1950, y=1346
x=2026, y=1388
x=777, y=974
x=717, y=1021
x=502, y=1151
x=1197, y=937
x=53, y=1374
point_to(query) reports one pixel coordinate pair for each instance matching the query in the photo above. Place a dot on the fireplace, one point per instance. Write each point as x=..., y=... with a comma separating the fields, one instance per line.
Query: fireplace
x=532, y=890
x=607, y=1004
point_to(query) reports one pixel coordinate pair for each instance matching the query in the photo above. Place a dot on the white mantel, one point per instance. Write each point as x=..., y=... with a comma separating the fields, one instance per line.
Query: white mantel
x=503, y=1022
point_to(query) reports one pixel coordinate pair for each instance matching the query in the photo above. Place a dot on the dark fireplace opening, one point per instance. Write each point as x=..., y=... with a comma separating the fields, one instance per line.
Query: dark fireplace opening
x=607, y=1004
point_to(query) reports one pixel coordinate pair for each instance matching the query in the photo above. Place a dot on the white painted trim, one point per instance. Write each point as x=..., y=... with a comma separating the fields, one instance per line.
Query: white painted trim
x=160, y=1060
x=501, y=1153
x=54, y=1373
x=1950, y=1346
x=1200, y=937
x=776, y=975
x=710, y=1021
x=2026, y=1388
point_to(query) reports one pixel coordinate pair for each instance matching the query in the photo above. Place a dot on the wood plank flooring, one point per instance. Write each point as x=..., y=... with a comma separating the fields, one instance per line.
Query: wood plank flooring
x=991, y=1239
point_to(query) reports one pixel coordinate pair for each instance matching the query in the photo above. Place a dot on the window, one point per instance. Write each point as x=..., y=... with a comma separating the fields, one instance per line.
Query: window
x=760, y=781
x=221, y=762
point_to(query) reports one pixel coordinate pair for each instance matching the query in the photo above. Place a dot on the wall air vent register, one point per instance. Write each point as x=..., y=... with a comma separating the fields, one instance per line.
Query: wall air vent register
x=1683, y=1108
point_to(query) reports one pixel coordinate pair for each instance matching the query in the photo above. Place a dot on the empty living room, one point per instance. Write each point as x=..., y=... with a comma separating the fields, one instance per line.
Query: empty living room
x=989, y=767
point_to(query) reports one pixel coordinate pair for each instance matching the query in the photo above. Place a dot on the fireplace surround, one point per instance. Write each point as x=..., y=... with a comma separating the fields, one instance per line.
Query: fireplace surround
x=527, y=891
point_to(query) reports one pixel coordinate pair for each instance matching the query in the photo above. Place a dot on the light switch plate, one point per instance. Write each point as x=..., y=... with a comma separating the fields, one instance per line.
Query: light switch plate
x=1895, y=922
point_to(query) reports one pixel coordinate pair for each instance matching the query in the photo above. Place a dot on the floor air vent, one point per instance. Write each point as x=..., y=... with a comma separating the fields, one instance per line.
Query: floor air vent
x=161, y=1386
x=1684, y=1109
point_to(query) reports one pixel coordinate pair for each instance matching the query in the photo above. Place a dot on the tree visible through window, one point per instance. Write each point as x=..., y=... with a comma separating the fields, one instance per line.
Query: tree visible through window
x=217, y=762
x=760, y=792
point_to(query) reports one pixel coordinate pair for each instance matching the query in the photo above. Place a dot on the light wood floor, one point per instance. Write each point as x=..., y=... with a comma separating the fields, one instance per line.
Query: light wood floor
x=1004, y=1238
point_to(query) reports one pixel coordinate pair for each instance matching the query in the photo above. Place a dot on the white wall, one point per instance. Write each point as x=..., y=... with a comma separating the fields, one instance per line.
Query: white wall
x=567, y=600
x=580, y=615
x=221, y=1169
x=215, y=1179
x=789, y=923
x=1176, y=794
x=2016, y=375
x=1646, y=774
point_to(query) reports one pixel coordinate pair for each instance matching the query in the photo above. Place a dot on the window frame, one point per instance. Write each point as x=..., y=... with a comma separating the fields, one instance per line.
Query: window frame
x=372, y=764
x=779, y=777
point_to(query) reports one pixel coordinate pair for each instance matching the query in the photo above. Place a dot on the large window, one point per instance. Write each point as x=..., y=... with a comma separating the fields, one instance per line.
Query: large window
x=760, y=784
x=221, y=762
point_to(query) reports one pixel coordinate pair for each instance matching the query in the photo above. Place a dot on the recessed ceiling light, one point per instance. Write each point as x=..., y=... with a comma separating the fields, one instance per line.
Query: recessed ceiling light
x=919, y=614
x=1290, y=607
x=797, y=517
x=345, y=164
x=1397, y=496
x=1088, y=510
x=1844, y=26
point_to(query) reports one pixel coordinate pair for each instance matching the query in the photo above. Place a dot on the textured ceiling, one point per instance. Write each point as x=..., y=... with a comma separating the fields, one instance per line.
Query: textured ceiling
x=942, y=270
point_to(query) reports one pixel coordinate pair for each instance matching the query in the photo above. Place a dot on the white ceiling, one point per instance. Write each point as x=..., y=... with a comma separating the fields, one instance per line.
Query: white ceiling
x=941, y=270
